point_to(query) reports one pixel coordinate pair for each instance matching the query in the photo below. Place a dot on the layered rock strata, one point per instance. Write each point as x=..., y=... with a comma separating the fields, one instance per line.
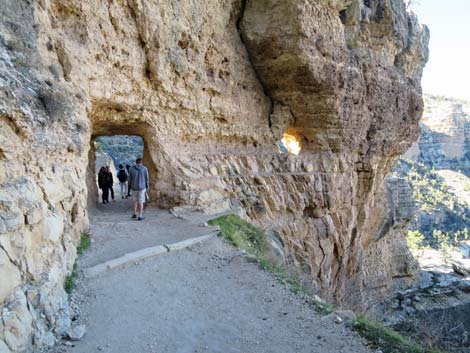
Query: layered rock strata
x=445, y=137
x=439, y=167
x=210, y=86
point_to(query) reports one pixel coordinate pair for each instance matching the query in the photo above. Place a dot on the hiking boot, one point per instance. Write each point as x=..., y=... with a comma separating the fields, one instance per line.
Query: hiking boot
x=140, y=218
x=134, y=216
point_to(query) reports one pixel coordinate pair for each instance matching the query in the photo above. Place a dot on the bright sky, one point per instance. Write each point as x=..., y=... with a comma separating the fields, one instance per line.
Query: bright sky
x=448, y=70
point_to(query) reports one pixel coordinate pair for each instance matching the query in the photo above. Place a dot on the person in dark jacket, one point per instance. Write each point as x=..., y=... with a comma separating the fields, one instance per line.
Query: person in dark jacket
x=122, y=175
x=103, y=185
x=139, y=183
x=109, y=181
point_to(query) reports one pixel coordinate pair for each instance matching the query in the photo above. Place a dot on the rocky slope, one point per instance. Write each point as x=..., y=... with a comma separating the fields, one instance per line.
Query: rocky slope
x=441, y=199
x=210, y=86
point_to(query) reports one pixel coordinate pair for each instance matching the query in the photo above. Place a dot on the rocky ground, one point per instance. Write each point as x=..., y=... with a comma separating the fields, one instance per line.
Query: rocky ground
x=207, y=298
x=436, y=309
x=210, y=89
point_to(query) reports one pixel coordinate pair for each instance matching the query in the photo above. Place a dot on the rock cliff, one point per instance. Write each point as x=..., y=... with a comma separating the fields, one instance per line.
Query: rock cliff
x=434, y=308
x=438, y=165
x=210, y=86
x=445, y=134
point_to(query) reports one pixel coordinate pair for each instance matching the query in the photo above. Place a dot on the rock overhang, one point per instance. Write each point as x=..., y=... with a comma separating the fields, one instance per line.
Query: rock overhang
x=211, y=105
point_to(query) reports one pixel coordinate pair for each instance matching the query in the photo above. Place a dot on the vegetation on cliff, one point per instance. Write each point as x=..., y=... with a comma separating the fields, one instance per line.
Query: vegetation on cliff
x=253, y=240
x=442, y=218
x=388, y=340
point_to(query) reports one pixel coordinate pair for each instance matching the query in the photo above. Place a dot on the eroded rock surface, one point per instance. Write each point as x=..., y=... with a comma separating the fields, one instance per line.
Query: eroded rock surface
x=355, y=102
x=210, y=86
x=444, y=141
x=438, y=166
x=433, y=310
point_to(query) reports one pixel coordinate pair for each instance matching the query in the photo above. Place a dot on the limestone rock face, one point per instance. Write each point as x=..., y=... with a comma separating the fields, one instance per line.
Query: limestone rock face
x=355, y=102
x=439, y=163
x=210, y=86
x=445, y=137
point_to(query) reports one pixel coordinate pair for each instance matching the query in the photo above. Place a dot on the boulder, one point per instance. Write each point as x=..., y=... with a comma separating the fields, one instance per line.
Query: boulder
x=76, y=333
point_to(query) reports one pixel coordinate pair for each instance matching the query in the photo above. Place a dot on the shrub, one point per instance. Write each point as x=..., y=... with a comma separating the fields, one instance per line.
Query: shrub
x=246, y=236
x=415, y=239
x=386, y=339
x=84, y=243
x=433, y=198
x=242, y=234
x=69, y=283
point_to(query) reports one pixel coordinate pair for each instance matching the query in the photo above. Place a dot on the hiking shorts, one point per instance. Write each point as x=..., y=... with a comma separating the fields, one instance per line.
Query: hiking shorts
x=138, y=195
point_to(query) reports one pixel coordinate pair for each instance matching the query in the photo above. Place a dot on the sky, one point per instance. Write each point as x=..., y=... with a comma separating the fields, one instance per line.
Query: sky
x=447, y=72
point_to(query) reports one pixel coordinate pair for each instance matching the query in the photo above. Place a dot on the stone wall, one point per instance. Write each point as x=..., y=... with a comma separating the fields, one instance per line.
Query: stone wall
x=210, y=86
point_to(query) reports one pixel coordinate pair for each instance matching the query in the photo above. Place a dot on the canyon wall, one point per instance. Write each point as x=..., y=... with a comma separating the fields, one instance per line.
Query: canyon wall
x=438, y=167
x=122, y=149
x=445, y=137
x=210, y=86
x=433, y=310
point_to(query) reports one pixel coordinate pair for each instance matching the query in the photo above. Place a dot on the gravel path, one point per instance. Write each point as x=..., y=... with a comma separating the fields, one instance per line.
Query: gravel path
x=207, y=298
x=114, y=233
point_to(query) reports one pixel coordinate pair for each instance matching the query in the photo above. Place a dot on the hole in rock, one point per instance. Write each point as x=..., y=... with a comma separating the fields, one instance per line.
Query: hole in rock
x=120, y=134
x=343, y=16
x=289, y=144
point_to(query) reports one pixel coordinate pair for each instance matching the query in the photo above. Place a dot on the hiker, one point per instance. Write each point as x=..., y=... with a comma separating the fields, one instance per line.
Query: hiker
x=128, y=167
x=138, y=183
x=102, y=185
x=109, y=181
x=122, y=177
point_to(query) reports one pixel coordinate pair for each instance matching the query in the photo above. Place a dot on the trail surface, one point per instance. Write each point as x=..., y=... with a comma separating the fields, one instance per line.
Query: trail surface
x=207, y=298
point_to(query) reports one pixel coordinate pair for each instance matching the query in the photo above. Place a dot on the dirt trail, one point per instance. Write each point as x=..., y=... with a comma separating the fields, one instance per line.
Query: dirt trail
x=114, y=233
x=207, y=298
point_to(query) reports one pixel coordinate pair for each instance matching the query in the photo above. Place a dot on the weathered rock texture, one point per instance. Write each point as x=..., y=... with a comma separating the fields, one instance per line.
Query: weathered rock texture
x=434, y=309
x=439, y=167
x=445, y=138
x=210, y=86
x=349, y=82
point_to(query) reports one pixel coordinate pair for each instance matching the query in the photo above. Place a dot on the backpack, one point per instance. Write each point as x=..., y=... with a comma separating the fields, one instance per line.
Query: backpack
x=122, y=175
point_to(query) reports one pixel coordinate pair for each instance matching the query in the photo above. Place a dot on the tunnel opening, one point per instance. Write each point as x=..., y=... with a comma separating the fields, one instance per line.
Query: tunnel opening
x=122, y=227
x=121, y=143
x=118, y=153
